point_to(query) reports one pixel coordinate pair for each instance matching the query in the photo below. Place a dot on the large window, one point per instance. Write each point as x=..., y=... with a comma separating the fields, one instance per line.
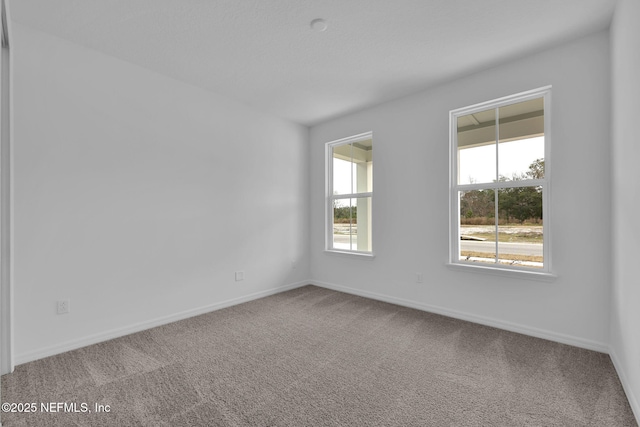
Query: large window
x=350, y=194
x=500, y=183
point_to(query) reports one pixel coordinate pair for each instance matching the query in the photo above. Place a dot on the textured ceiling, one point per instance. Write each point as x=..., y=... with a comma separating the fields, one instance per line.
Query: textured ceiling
x=263, y=52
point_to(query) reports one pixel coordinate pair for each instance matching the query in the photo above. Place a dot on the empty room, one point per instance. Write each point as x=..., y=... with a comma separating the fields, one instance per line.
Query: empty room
x=319, y=213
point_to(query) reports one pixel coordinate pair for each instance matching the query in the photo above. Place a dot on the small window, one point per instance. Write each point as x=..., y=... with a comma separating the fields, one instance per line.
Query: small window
x=500, y=183
x=349, y=198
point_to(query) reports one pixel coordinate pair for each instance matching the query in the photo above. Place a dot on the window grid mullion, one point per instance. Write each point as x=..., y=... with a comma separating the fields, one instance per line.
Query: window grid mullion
x=351, y=214
x=495, y=191
x=351, y=200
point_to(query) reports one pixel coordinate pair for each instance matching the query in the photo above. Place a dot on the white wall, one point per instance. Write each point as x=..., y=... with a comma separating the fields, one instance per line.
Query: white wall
x=625, y=313
x=410, y=210
x=137, y=197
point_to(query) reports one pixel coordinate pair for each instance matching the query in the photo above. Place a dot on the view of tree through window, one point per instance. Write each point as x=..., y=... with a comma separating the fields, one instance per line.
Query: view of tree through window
x=501, y=183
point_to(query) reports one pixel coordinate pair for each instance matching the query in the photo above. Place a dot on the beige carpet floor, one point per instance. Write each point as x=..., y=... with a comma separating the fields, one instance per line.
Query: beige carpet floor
x=316, y=357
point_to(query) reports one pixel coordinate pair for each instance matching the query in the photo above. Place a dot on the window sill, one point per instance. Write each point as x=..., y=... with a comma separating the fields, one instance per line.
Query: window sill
x=357, y=255
x=504, y=272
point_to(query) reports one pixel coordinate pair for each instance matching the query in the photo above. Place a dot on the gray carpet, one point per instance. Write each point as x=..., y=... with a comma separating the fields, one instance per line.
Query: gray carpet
x=315, y=357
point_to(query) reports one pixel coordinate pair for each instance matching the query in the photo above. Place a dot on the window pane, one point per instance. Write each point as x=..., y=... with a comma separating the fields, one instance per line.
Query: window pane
x=477, y=147
x=477, y=226
x=521, y=148
x=353, y=168
x=343, y=224
x=342, y=169
x=520, y=226
x=352, y=224
x=363, y=224
x=362, y=166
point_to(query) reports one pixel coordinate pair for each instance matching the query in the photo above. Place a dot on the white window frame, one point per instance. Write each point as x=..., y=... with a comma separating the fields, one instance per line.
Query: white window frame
x=330, y=197
x=454, y=202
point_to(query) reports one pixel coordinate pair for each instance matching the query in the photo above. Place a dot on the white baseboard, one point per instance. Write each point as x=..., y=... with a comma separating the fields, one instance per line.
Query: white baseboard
x=119, y=332
x=631, y=397
x=487, y=321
